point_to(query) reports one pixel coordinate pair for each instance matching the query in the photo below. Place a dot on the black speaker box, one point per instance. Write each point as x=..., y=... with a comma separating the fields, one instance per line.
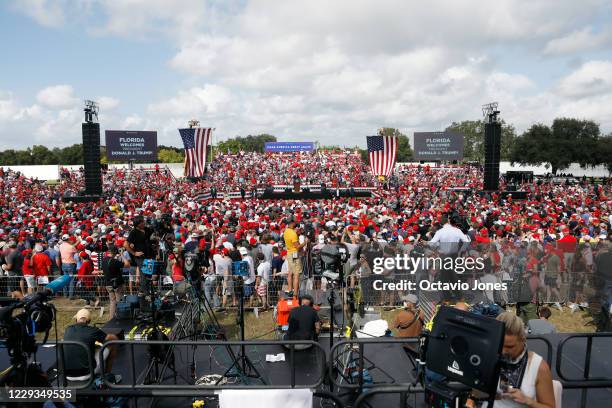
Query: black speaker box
x=492, y=156
x=466, y=347
x=91, y=158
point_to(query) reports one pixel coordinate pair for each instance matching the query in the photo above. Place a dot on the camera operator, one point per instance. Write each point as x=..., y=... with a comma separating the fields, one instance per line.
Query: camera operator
x=112, y=266
x=76, y=360
x=304, y=322
x=525, y=378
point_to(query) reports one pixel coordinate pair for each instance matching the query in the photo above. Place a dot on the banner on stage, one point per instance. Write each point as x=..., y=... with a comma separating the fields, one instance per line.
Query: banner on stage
x=289, y=146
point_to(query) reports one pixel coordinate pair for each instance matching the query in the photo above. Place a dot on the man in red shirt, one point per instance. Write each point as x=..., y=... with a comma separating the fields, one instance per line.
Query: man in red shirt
x=567, y=244
x=41, y=265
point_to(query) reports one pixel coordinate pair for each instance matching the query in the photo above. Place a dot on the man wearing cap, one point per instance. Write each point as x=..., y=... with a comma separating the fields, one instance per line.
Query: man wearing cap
x=41, y=265
x=52, y=251
x=138, y=245
x=304, y=322
x=67, y=251
x=409, y=322
x=292, y=243
x=12, y=267
x=76, y=362
x=223, y=270
x=250, y=281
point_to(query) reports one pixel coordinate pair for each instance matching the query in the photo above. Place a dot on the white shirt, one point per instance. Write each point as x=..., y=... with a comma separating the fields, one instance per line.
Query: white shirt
x=448, y=238
x=264, y=270
x=222, y=265
x=248, y=259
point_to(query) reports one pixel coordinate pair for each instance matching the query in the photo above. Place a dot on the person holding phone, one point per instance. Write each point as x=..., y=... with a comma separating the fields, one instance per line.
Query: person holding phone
x=525, y=378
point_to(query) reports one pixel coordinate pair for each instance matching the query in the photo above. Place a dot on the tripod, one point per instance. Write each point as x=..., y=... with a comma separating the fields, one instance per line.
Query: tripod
x=159, y=354
x=243, y=364
x=200, y=305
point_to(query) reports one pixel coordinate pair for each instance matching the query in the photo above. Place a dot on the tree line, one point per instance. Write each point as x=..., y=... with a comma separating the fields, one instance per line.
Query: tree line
x=566, y=141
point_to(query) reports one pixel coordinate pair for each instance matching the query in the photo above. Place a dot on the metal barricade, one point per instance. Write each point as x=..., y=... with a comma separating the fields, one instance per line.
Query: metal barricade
x=586, y=382
x=360, y=358
x=549, y=347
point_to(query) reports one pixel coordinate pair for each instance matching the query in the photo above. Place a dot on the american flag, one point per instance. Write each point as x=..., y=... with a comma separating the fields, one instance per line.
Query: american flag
x=383, y=150
x=196, y=141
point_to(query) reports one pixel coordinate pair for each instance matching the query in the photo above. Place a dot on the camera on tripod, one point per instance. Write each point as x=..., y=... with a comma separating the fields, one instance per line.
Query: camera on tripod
x=333, y=258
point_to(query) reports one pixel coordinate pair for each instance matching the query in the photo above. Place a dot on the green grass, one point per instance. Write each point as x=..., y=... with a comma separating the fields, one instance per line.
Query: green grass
x=262, y=327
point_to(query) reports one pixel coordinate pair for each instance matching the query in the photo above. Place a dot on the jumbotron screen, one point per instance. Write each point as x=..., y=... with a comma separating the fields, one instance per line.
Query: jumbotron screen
x=137, y=145
x=438, y=146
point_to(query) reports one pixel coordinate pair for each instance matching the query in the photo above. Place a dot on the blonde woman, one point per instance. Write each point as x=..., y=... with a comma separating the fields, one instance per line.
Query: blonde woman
x=525, y=379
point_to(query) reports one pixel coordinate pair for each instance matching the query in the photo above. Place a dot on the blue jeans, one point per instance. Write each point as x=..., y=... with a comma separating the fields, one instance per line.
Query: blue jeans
x=210, y=290
x=69, y=269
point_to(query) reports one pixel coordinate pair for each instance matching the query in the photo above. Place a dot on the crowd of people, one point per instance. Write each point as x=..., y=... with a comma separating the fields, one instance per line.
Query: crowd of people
x=150, y=228
x=556, y=243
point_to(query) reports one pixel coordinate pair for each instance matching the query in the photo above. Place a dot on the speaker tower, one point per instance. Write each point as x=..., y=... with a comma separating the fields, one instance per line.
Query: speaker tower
x=492, y=153
x=91, y=158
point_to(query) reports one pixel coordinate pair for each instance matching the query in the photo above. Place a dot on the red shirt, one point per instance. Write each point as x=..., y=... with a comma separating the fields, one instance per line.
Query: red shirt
x=84, y=274
x=40, y=264
x=27, y=268
x=177, y=271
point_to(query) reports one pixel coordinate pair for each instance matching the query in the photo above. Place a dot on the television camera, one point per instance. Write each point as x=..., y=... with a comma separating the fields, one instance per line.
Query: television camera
x=17, y=333
x=333, y=258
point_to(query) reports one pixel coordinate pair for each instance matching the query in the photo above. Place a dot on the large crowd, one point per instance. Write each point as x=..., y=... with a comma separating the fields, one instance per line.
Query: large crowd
x=557, y=239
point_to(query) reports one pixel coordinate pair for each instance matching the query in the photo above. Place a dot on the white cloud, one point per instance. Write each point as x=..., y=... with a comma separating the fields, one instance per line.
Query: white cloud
x=579, y=41
x=592, y=78
x=51, y=121
x=107, y=103
x=57, y=96
x=336, y=71
x=207, y=100
x=49, y=13
x=132, y=122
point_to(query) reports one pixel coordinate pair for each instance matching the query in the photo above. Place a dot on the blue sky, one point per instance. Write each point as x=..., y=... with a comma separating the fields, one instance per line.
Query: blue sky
x=332, y=72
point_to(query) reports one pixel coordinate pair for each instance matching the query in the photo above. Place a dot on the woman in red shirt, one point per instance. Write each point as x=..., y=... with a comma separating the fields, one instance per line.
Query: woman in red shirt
x=26, y=268
x=177, y=262
x=85, y=279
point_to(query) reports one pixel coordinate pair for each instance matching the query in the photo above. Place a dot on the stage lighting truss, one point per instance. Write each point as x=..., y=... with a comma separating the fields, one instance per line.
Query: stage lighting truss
x=91, y=110
x=490, y=112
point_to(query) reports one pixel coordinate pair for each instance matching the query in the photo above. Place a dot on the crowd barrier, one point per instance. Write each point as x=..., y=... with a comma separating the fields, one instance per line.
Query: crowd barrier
x=328, y=365
x=518, y=280
x=581, y=289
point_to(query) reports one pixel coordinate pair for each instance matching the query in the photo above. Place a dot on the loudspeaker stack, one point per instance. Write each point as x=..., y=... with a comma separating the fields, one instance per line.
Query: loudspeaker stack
x=91, y=158
x=492, y=156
